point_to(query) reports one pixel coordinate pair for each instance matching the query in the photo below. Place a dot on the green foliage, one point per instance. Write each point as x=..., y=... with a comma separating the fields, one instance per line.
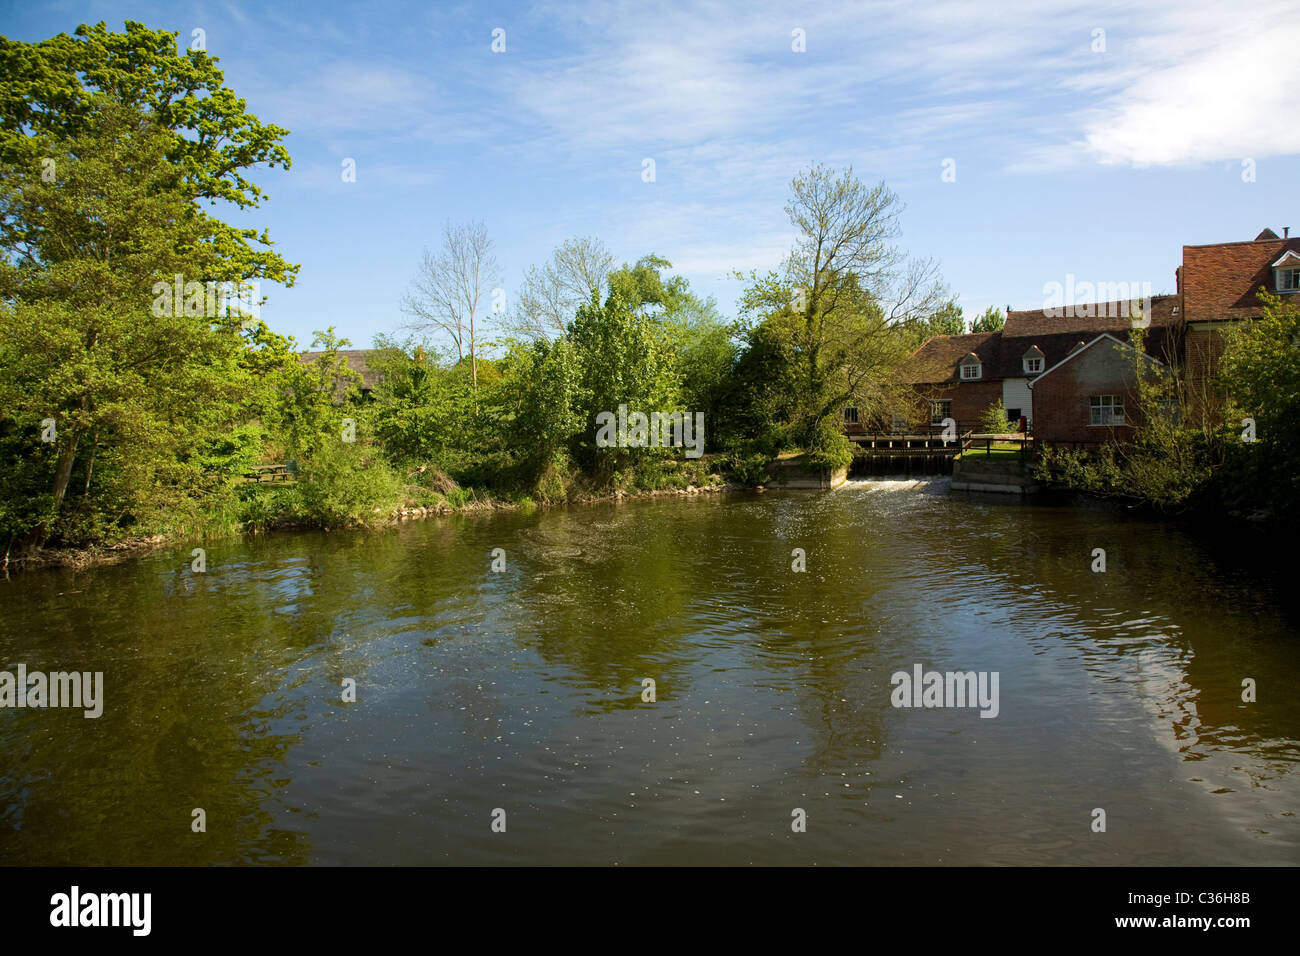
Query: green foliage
x=994, y=419
x=347, y=483
x=624, y=358
x=992, y=320
x=1260, y=369
x=947, y=320
x=54, y=90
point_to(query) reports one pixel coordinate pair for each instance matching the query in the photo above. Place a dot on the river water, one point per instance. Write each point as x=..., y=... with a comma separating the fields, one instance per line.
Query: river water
x=515, y=698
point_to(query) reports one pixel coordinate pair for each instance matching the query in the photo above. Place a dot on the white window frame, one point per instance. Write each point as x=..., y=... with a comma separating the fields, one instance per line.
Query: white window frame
x=1106, y=411
x=966, y=366
x=1033, y=365
x=850, y=414
x=1291, y=273
x=945, y=410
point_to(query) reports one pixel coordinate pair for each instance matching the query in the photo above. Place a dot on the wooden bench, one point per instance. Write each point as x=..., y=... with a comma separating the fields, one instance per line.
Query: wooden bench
x=283, y=471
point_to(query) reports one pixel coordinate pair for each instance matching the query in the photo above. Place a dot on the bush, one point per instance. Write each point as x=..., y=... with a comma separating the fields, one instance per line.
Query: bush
x=750, y=469
x=348, y=483
x=994, y=420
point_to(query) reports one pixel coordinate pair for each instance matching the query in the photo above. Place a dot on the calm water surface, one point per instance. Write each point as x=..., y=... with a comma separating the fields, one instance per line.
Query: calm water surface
x=521, y=690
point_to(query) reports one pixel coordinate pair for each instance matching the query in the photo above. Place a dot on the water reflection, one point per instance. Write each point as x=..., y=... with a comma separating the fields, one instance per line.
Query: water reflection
x=522, y=690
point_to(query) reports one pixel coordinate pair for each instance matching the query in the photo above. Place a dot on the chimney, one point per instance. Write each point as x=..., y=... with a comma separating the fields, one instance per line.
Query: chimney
x=1286, y=232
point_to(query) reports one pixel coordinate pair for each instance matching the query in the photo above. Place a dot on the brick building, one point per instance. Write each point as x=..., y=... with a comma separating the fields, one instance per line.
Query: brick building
x=960, y=376
x=1072, y=376
x=1219, y=285
x=1089, y=396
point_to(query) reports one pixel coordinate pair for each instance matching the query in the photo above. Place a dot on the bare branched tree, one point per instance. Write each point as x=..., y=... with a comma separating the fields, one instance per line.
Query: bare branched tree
x=453, y=289
x=551, y=295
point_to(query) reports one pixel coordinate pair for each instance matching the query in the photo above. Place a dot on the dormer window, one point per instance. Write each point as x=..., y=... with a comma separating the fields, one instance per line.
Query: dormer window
x=1286, y=273
x=1032, y=360
x=970, y=368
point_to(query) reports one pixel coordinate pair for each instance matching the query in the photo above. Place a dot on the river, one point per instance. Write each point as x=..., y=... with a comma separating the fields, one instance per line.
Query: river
x=500, y=716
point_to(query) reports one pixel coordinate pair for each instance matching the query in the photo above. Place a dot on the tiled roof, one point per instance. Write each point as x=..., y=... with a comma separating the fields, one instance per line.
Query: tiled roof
x=1221, y=281
x=1055, y=336
x=936, y=361
x=1001, y=353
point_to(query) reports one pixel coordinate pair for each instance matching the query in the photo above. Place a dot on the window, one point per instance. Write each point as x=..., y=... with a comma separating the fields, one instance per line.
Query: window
x=1013, y=415
x=899, y=424
x=1288, y=280
x=1033, y=365
x=1106, y=410
x=970, y=371
x=940, y=408
x=850, y=415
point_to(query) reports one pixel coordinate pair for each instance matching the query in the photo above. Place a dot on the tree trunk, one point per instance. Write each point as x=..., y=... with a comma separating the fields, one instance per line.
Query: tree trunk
x=63, y=474
x=90, y=465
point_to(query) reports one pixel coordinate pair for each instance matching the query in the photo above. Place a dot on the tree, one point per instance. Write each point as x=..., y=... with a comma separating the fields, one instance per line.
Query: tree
x=992, y=320
x=551, y=296
x=1260, y=371
x=946, y=320
x=853, y=292
x=623, y=358
x=994, y=420
x=308, y=413
x=451, y=288
x=643, y=288
x=52, y=91
x=131, y=389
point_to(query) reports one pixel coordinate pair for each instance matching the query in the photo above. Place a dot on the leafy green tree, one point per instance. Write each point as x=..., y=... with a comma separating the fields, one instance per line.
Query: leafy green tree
x=548, y=422
x=994, y=419
x=643, y=288
x=624, y=357
x=313, y=398
x=131, y=388
x=854, y=292
x=992, y=320
x=420, y=407
x=1260, y=371
x=51, y=92
x=947, y=320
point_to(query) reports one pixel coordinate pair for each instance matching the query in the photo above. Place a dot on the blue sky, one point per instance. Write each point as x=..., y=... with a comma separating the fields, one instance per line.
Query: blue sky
x=1067, y=159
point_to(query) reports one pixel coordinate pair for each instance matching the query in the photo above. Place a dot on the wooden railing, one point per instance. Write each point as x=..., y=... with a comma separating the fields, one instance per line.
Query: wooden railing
x=972, y=442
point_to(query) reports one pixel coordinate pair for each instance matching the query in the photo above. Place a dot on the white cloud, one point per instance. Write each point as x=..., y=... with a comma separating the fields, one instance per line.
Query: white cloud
x=1230, y=101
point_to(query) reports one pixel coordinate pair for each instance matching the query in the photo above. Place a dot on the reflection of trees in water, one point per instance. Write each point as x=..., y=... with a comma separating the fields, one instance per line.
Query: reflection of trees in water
x=181, y=729
x=607, y=593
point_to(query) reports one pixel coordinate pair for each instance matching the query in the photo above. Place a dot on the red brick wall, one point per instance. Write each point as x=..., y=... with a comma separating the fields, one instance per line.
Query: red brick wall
x=969, y=402
x=1062, y=399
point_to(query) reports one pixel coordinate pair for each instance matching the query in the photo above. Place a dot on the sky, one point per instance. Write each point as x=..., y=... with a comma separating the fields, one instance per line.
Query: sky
x=1028, y=141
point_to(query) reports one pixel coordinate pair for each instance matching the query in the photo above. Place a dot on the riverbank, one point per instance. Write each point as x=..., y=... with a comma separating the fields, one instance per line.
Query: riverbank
x=80, y=559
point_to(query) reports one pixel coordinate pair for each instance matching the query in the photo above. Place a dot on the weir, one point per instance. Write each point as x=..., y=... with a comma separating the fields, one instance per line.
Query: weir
x=880, y=455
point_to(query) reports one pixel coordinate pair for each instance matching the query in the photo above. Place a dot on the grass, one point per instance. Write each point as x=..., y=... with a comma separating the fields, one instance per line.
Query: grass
x=1001, y=449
